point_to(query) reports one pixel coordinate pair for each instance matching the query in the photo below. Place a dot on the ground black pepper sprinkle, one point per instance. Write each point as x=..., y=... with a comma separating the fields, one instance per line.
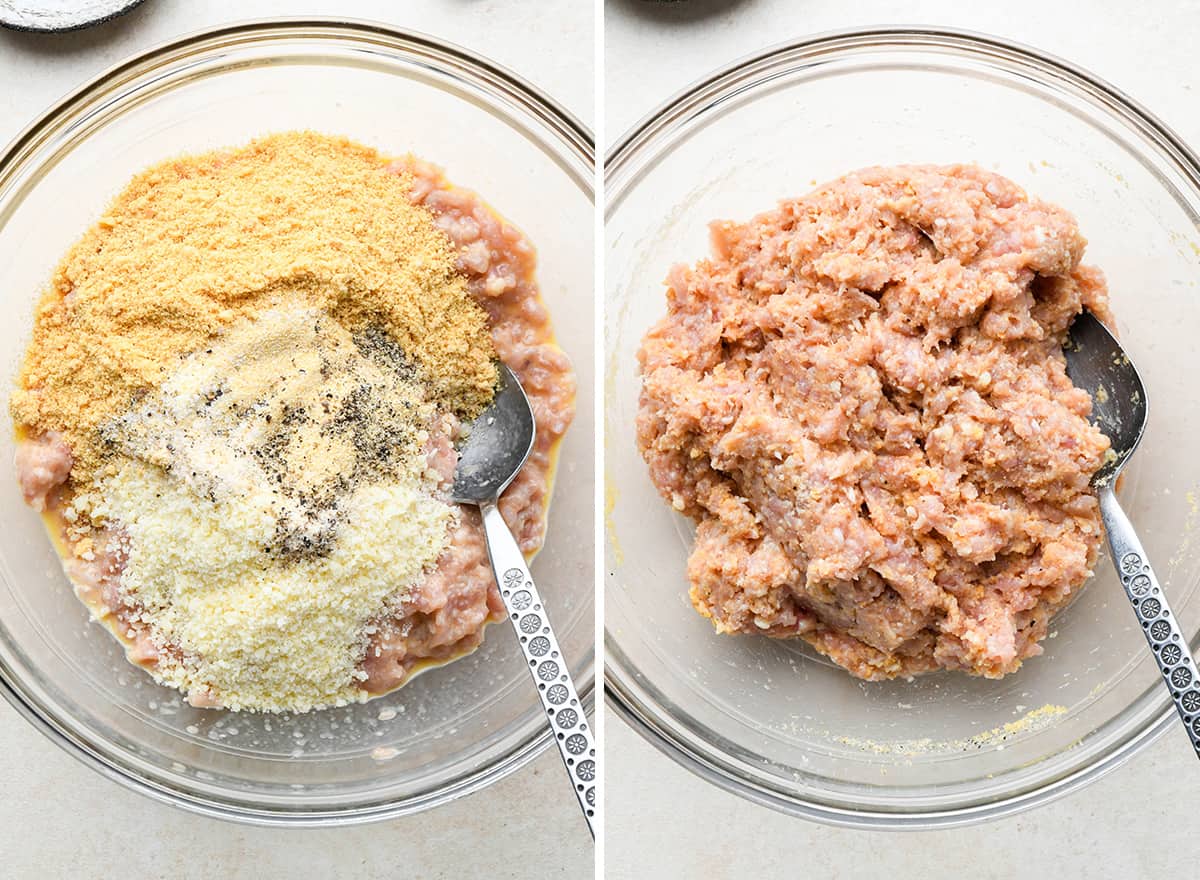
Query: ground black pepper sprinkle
x=310, y=408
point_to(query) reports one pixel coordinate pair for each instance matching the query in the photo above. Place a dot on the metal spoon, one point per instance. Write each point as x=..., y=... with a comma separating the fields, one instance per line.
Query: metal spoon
x=1097, y=364
x=495, y=449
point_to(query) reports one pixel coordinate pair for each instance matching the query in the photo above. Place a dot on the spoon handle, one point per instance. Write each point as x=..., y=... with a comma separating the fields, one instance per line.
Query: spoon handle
x=568, y=721
x=1161, y=629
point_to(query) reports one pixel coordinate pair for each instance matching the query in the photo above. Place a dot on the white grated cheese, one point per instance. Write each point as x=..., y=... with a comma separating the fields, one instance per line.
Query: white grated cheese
x=256, y=632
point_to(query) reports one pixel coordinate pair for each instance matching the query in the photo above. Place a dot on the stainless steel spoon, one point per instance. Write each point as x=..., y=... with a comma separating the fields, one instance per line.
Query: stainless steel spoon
x=1097, y=364
x=495, y=449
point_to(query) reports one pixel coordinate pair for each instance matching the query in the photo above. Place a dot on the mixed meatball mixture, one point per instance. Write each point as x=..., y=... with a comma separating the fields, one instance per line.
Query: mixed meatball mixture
x=860, y=398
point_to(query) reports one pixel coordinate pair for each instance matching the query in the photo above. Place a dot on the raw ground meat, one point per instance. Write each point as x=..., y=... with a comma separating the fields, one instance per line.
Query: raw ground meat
x=43, y=465
x=862, y=402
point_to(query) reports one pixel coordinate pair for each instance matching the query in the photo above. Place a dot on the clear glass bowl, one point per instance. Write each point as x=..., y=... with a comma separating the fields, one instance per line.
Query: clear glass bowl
x=454, y=729
x=771, y=720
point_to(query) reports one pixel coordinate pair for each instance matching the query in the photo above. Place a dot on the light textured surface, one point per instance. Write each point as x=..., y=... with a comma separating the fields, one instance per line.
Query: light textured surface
x=1119, y=827
x=662, y=821
x=60, y=819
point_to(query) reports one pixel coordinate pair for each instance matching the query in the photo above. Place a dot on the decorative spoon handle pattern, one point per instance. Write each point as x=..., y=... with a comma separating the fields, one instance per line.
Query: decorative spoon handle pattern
x=568, y=721
x=1159, y=624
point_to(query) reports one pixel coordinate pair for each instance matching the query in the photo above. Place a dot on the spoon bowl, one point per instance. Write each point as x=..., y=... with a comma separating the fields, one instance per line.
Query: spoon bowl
x=497, y=446
x=1097, y=363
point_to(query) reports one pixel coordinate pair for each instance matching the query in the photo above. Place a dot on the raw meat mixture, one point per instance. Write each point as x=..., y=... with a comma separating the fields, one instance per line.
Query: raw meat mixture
x=444, y=616
x=861, y=400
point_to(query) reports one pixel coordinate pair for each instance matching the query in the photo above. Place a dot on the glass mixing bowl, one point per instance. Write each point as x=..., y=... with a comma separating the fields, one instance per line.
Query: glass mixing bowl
x=771, y=720
x=454, y=729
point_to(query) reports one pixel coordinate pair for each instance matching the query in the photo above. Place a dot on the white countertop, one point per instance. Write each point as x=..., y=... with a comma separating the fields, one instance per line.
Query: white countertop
x=60, y=819
x=1140, y=820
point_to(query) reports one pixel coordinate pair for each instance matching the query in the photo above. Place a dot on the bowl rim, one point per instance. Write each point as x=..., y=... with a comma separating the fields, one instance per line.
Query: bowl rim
x=621, y=690
x=515, y=92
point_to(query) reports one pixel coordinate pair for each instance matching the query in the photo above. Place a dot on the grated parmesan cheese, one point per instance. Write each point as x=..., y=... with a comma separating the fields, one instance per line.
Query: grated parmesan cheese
x=256, y=632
